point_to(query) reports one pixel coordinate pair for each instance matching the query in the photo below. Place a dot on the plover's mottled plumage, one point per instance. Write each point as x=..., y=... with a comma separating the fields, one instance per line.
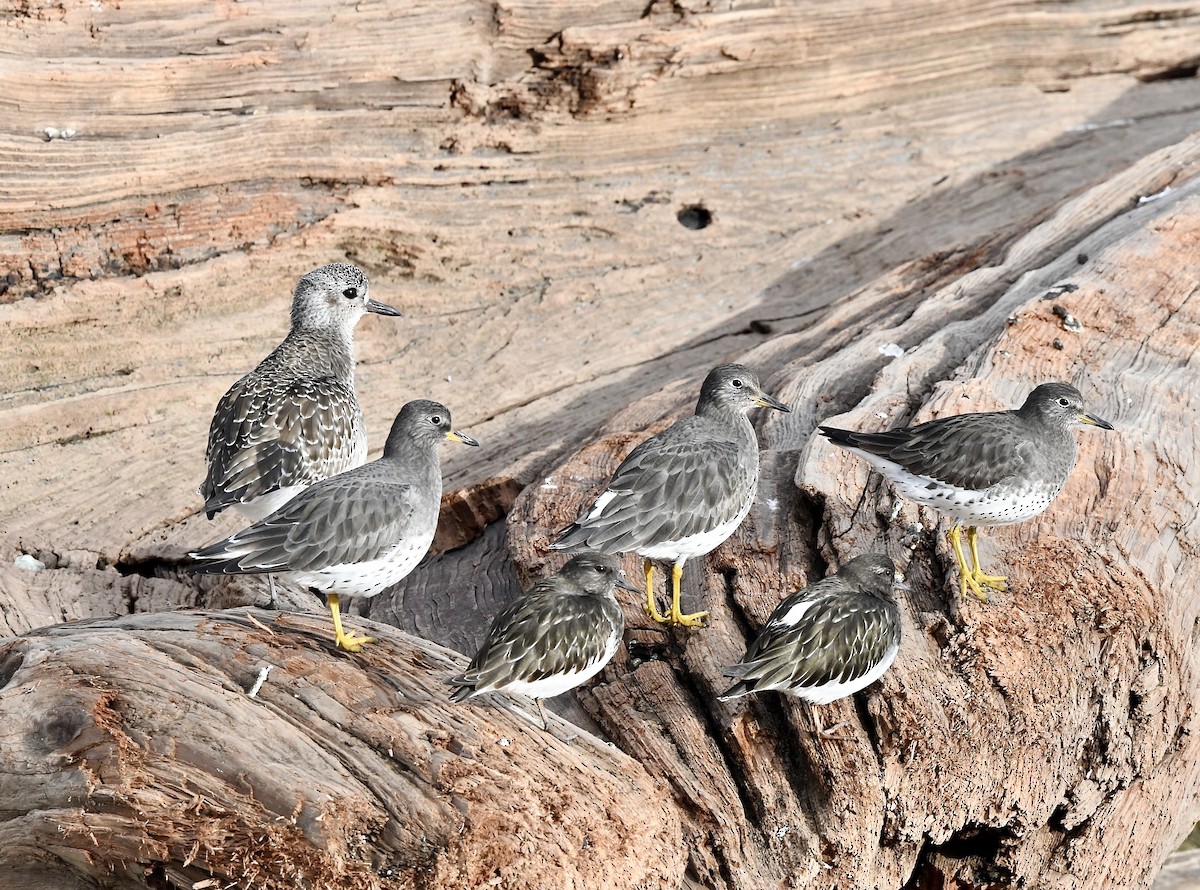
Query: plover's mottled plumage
x=294, y=419
x=681, y=493
x=986, y=469
x=357, y=533
x=829, y=640
x=555, y=637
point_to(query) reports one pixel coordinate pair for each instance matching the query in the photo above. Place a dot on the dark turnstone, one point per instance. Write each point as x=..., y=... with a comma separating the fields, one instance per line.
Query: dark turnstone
x=357, y=533
x=553, y=638
x=829, y=640
x=994, y=468
x=681, y=493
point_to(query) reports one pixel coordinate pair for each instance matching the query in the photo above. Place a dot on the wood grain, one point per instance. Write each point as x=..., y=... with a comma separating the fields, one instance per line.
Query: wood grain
x=512, y=175
x=1025, y=740
x=338, y=774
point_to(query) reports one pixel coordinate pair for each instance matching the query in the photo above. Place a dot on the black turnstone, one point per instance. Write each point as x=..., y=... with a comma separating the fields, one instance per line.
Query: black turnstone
x=829, y=640
x=555, y=637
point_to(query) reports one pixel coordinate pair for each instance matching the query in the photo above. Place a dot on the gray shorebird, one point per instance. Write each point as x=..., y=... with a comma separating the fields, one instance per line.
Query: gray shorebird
x=555, y=637
x=827, y=641
x=681, y=493
x=294, y=419
x=357, y=533
x=992, y=468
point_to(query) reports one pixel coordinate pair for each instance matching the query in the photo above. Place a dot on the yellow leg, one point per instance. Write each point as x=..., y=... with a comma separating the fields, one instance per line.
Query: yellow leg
x=651, y=605
x=965, y=575
x=996, y=582
x=696, y=619
x=351, y=642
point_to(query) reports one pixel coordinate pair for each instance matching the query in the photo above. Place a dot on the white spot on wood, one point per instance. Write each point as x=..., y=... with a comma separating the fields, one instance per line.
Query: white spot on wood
x=1102, y=125
x=258, y=683
x=891, y=350
x=28, y=563
x=1146, y=199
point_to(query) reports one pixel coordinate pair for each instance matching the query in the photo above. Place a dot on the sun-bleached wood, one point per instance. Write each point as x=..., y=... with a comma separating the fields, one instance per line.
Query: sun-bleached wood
x=515, y=177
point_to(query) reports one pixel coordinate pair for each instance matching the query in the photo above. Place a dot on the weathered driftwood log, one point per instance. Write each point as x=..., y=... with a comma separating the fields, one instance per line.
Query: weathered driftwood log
x=1048, y=737
x=205, y=749
x=578, y=205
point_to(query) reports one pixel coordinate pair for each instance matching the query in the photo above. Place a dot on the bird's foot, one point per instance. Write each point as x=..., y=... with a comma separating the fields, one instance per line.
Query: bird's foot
x=996, y=582
x=352, y=642
x=651, y=609
x=677, y=618
x=968, y=582
x=832, y=733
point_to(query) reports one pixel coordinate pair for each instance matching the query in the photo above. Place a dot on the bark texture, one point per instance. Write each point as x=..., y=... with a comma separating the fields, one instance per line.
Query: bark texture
x=1032, y=739
x=580, y=208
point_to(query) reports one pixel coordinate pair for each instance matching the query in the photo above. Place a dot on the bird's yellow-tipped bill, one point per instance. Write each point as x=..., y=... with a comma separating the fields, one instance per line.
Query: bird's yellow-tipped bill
x=1093, y=420
x=765, y=401
x=458, y=436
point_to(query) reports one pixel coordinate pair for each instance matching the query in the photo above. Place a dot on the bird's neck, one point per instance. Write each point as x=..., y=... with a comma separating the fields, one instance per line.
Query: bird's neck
x=329, y=353
x=731, y=419
x=723, y=413
x=419, y=459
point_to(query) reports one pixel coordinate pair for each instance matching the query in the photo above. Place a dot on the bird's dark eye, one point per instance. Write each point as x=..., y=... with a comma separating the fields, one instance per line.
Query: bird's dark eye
x=737, y=384
x=1065, y=402
x=600, y=569
x=350, y=293
x=436, y=420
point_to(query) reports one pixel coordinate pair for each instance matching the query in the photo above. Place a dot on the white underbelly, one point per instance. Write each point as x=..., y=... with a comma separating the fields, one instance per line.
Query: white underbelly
x=697, y=544
x=998, y=505
x=366, y=578
x=821, y=695
x=560, y=683
x=263, y=506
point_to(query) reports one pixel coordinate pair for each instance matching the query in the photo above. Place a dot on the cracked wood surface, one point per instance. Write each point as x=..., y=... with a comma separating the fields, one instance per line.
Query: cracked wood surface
x=338, y=774
x=511, y=179
x=1046, y=738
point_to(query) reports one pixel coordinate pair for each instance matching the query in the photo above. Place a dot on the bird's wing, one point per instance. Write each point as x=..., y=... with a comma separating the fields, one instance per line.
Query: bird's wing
x=344, y=520
x=826, y=644
x=262, y=439
x=969, y=451
x=663, y=491
x=542, y=634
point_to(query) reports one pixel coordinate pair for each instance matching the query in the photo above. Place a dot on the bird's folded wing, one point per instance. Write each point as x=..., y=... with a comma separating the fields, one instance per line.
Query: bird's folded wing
x=666, y=491
x=969, y=451
x=340, y=521
x=263, y=439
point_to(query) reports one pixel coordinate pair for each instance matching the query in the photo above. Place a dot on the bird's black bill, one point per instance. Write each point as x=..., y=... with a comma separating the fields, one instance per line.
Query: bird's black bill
x=765, y=401
x=625, y=585
x=1093, y=420
x=456, y=436
x=381, y=308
